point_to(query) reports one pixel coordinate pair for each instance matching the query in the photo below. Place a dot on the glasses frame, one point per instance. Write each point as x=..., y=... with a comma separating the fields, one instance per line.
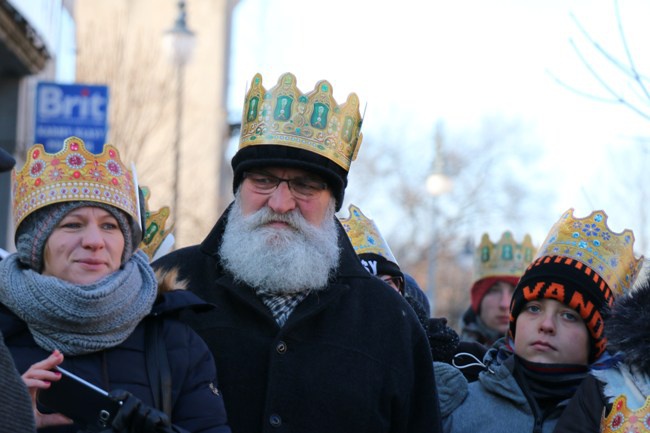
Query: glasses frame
x=318, y=187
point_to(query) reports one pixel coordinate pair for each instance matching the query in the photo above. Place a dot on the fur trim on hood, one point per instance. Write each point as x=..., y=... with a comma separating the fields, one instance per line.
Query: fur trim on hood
x=168, y=280
x=627, y=326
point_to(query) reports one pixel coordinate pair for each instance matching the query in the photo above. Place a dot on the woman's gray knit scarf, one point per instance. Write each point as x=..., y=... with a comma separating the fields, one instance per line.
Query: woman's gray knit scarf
x=79, y=319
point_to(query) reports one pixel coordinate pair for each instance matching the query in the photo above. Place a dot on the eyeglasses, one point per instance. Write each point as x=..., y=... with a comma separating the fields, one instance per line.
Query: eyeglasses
x=301, y=187
x=395, y=282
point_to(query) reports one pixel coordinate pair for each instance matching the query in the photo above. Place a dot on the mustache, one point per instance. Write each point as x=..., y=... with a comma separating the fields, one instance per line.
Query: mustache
x=265, y=215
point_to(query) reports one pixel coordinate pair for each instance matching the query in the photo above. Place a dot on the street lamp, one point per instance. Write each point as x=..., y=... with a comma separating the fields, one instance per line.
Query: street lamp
x=437, y=184
x=178, y=42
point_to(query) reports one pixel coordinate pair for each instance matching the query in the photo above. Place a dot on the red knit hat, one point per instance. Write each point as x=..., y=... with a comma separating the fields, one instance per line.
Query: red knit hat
x=481, y=287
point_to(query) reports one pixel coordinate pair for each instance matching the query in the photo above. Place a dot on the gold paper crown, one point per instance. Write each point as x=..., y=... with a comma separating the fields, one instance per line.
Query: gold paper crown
x=364, y=235
x=590, y=241
x=73, y=174
x=623, y=419
x=314, y=122
x=505, y=258
x=156, y=236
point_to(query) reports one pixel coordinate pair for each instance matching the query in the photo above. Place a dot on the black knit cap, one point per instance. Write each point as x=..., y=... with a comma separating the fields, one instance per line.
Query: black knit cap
x=572, y=283
x=260, y=156
x=383, y=266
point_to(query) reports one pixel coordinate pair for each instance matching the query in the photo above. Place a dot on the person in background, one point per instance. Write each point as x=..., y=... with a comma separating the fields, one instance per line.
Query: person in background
x=304, y=338
x=497, y=270
x=555, y=332
x=80, y=295
x=615, y=397
x=378, y=259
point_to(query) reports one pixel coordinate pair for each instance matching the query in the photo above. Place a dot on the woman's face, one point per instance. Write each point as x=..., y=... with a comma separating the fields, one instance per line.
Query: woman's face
x=550, y=332
x=84, y=247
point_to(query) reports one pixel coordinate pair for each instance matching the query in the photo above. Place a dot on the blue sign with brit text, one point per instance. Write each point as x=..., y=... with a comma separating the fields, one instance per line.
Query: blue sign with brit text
x=63, y=110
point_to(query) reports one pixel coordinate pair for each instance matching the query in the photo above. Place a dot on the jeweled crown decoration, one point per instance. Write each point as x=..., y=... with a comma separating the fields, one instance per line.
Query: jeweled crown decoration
x=314, y=121
x=504, y=258
x=590, y=241
x=364, y=235
x=155, y=232
x=72, y=174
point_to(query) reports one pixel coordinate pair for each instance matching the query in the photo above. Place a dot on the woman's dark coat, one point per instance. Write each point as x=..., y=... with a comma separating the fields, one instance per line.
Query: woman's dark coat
x=197, y=403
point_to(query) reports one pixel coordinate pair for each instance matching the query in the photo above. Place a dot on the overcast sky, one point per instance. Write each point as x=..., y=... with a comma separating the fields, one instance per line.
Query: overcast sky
x=416, y=62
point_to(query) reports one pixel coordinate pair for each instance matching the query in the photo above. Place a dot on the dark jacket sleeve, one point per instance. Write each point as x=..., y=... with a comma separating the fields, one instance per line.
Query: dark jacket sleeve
x=15, y=404
x=584, y=411
x=199, y=406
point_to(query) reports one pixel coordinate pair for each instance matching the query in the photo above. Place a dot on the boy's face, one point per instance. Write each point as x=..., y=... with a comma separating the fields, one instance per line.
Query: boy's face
x=549, y=332
x=495, y=306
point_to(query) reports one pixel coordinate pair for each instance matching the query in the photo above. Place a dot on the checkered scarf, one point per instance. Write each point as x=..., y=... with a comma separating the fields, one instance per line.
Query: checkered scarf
x=282, y=306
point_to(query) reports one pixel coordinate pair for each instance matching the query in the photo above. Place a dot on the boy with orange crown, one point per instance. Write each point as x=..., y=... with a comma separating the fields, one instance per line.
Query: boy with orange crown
x=555, y=332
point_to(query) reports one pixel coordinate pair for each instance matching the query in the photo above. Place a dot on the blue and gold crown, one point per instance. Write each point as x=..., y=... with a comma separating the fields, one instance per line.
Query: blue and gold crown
x=73, y=174
x=314, y=121
x=365, y=236
x=590, y=241
x=505, y=258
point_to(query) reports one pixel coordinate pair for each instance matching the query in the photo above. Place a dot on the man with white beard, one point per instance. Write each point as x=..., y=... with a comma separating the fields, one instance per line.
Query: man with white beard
x=304, y=338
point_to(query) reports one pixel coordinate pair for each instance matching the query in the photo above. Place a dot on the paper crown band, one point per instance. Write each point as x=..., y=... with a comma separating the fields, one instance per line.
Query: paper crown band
x=504, y=258
x=158, y=239
x=590, y=241
x=314, y=121
x=73, y=174
x=364, y=235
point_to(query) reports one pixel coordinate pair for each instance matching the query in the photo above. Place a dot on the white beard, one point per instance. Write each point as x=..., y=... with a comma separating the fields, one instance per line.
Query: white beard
x=283, y=260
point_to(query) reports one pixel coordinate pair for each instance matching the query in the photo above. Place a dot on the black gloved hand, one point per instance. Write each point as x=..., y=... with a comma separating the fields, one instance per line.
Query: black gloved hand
x=442, y=339
x=136, y=417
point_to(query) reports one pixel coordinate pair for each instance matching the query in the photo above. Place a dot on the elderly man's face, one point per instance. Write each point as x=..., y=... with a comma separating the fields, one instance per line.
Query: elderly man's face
x=282, y=199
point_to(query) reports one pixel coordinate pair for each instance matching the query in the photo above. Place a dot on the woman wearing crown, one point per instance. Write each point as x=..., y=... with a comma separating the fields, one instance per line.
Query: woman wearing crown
x=616, y=396
x=555, y=334
x=80, y=295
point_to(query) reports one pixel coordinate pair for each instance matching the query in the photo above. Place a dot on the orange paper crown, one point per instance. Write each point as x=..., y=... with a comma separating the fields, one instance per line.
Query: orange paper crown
x=365, y=236
x=590, y=241
x=73, y=174
x=505, y=258
x=314, y=121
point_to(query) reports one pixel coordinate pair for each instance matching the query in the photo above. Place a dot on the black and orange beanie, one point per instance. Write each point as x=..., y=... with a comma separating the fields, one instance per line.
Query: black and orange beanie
x=572, y=283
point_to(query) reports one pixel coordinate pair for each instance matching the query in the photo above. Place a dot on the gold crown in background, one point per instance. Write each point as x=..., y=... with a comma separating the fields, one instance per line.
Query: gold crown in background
x=157, y=239
x=364, y=235
x=73, y=174
x=314, y=121
x=590, y=241
x=505, y=258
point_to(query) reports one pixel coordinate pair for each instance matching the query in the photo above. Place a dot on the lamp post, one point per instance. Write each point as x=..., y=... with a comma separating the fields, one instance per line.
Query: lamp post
x=179, y=44
x=438, y=183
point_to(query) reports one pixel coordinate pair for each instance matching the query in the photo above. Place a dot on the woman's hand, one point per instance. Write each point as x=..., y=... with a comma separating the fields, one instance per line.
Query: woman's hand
x=41, y=376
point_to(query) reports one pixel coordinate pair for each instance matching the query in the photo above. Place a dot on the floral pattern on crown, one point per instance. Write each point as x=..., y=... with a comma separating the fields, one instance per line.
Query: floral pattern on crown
x=590, y=241
x=72, y=174
x=364, y=235
x=314, y=121
x=504, y=258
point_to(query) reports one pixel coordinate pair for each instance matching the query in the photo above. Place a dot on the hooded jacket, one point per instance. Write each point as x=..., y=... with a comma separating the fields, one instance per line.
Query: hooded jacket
x=495, y=403
x=197, y=405
x=350, y=358
x=626, y=373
